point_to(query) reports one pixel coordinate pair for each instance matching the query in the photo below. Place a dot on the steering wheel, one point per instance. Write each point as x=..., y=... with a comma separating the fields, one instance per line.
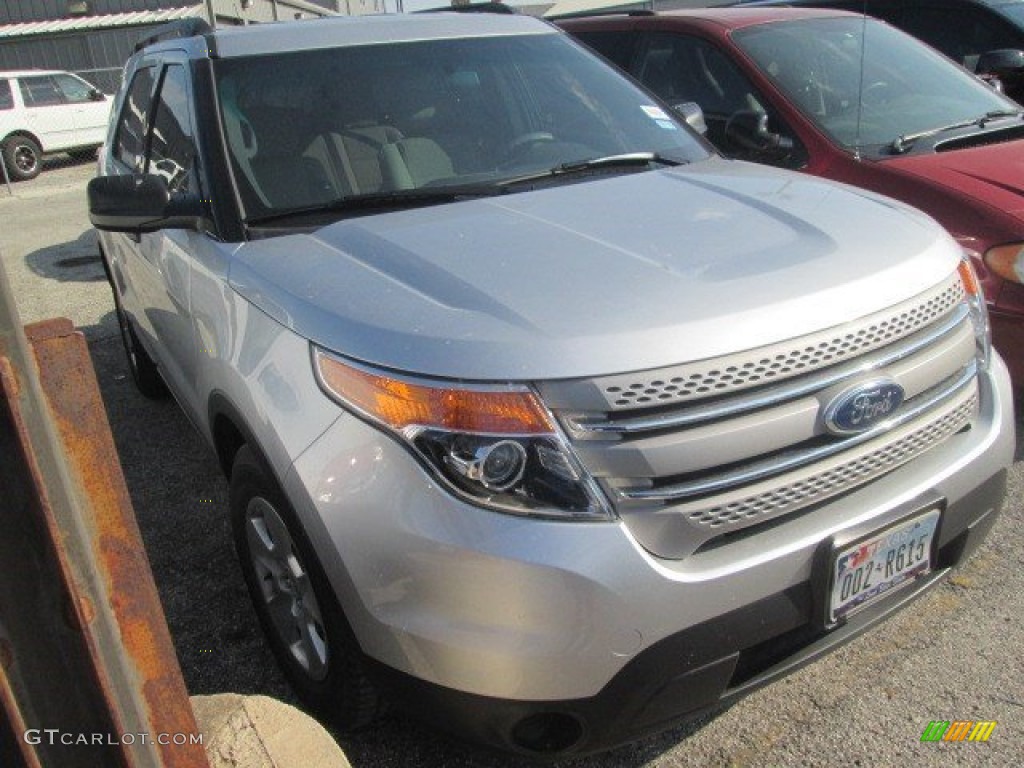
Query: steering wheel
x=876, y=93
x=528, y=139
x=522, y=144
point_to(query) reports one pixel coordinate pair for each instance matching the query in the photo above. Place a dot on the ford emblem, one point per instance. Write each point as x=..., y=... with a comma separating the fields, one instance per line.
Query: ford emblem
x=863, y=406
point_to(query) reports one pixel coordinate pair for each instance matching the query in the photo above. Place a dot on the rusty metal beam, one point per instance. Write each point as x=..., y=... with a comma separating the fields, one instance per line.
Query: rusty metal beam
x=84, y=647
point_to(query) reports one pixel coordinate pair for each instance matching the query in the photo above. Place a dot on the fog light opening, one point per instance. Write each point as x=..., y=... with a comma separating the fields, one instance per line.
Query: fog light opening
x=547, y=733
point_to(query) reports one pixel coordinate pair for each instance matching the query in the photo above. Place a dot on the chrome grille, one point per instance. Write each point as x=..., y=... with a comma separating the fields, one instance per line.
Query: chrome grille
x=925, y=403
x=804, y=492
x=746, y=445
x=736, y=372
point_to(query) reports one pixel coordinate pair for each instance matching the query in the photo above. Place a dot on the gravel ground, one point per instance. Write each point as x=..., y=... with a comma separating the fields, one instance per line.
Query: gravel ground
x=955, y=655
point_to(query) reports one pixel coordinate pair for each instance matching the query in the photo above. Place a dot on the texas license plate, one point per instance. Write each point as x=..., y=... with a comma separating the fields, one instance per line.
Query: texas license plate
x=865, y=571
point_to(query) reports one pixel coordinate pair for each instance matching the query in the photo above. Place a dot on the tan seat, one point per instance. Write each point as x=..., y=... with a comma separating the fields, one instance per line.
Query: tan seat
x=415, y=162
x=354, y=155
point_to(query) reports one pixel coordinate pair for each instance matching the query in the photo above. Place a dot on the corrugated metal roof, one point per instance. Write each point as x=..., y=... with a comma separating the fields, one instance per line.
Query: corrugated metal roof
x=99, y=22
x=562, y=7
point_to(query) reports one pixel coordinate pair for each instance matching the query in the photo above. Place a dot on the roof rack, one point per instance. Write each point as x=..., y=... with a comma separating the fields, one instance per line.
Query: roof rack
x=191, y=27
x=488, y=7
x=593, y=14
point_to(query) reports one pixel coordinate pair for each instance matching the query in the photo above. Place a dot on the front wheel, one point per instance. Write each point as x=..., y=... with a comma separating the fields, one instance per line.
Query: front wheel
x=296, y=606
x=23, y=158
x=144, y=371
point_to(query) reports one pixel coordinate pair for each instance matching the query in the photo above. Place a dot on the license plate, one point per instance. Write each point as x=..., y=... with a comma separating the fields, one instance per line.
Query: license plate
x=865, y=571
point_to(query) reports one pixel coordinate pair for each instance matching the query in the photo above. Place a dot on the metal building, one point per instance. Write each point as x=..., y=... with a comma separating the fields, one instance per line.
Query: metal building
x=94, y=38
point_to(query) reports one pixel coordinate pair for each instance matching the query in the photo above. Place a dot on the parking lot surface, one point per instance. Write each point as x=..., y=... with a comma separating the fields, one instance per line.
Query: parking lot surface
x=954, y=655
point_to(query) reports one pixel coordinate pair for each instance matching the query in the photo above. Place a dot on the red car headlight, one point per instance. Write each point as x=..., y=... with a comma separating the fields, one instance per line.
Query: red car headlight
x=1007, y=261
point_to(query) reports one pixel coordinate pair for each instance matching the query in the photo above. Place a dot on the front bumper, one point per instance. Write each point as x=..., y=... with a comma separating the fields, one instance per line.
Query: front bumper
x=554, y=637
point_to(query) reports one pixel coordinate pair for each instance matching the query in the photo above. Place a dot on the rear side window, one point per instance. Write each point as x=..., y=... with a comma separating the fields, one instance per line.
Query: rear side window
x=130, y=138
x=40, y=91
x=6, y=97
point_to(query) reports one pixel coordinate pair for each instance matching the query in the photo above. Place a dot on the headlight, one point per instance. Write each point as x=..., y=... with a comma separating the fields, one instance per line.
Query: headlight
x=497, y=446
x=1007, y=261
x=979, y=312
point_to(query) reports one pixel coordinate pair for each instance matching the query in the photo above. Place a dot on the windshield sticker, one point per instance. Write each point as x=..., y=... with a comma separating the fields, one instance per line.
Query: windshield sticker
x=653, y=112
x=668, y=125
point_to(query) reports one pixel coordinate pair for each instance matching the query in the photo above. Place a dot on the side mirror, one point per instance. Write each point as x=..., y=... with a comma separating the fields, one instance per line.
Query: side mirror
x=692, y=114
x=749, y=130
x=140, y=203
x=97, y=95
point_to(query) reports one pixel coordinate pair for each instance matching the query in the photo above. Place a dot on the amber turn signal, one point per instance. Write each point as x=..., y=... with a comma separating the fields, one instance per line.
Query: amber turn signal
x=400, y=403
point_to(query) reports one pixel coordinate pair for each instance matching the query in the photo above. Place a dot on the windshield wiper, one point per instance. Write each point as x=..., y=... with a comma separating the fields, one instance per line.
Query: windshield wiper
x=625, y=160
x=903, y=143
x=399, y=198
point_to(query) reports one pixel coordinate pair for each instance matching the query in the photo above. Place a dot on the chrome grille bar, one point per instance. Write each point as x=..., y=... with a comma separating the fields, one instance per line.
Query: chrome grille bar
x=737, y=405
x=782, y=500
x=795, y=358
x=760, y=470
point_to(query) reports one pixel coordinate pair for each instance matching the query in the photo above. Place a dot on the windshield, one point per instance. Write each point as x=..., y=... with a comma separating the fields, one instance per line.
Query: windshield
x=319, y=127
x=906, y=87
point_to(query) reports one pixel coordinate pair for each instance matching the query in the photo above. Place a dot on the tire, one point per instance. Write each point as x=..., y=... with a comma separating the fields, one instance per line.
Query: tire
x=145, y=374
x=23, y=157
x=301, y=618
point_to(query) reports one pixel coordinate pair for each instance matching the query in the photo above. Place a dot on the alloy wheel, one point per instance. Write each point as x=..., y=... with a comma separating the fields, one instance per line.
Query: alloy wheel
x=25, y=159
x=286, y=588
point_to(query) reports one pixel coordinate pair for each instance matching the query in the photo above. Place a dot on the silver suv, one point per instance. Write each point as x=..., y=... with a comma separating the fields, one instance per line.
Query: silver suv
x=535, y=411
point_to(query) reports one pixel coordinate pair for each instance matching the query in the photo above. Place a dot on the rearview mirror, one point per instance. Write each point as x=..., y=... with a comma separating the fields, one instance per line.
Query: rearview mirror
x=693, y=114
x=140, y=203
x=1004, y=61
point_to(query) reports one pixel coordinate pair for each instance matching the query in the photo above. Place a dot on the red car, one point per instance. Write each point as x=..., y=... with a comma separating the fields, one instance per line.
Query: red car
x=850, y=98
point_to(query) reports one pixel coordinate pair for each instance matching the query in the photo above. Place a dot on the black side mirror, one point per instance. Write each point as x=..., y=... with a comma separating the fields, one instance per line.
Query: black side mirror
x=749, y=130
x=140, y=203
x=1004, y=61
x=97, y=95
x=692, y=114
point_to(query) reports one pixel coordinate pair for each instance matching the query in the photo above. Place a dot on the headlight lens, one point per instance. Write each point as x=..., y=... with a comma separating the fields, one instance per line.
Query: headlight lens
x=979, y=312
x=1007, y=261
x=496, y=446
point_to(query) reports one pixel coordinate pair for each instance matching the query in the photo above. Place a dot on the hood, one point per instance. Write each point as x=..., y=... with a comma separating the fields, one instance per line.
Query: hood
x=605, y=276
x=992, y=174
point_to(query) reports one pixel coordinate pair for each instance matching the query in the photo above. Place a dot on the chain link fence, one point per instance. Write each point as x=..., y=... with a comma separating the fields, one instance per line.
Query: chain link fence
x=107, y=79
